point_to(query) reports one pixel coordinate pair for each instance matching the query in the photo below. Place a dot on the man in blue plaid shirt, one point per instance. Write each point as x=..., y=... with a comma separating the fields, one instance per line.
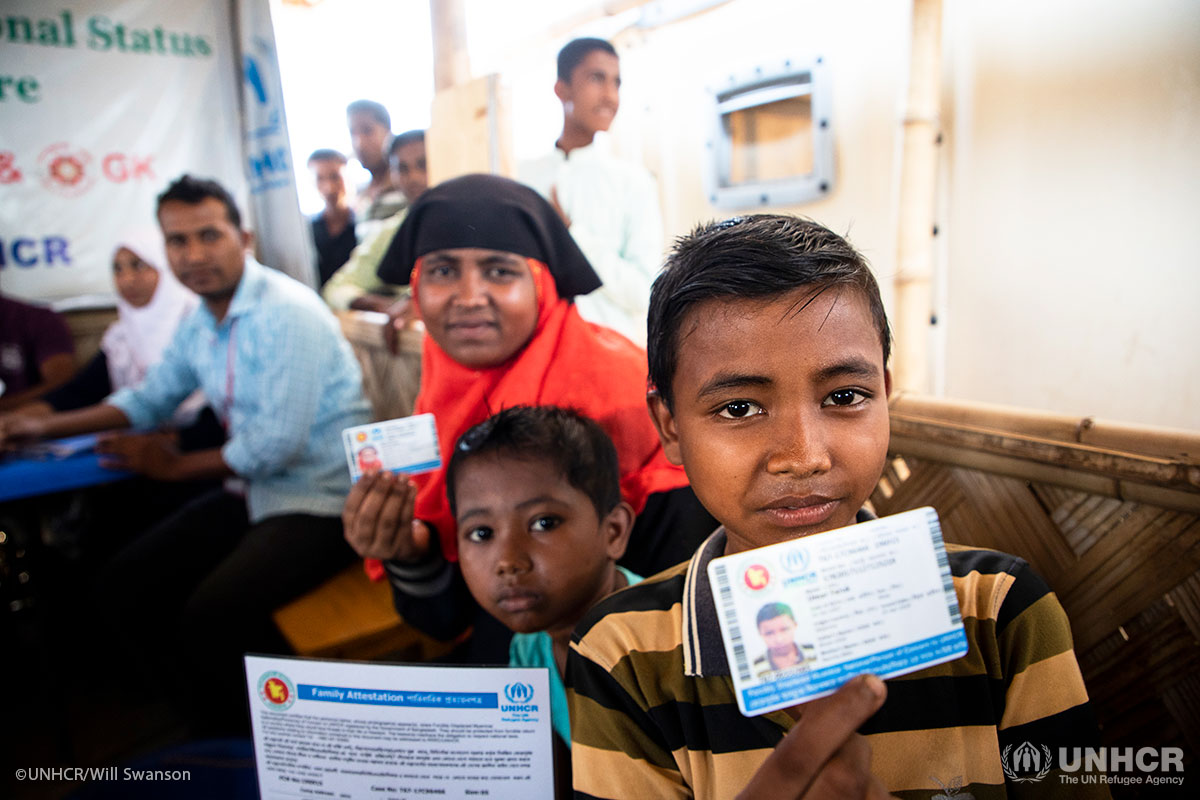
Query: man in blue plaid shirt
x=272, y=362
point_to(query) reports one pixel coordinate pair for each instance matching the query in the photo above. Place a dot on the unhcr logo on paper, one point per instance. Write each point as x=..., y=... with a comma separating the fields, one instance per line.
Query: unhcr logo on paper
x=519, y=696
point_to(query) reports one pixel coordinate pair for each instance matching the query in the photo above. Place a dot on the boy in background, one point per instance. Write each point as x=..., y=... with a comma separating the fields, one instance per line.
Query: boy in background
x=333, y=226
x=768, y=348
x=357, y=284
x=370, y=134
x=609, y=205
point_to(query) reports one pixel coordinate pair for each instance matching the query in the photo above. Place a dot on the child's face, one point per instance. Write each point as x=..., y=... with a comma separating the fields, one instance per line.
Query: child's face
x=780, y=418
x=480, y=306
x=778, y=633
x=532, y=549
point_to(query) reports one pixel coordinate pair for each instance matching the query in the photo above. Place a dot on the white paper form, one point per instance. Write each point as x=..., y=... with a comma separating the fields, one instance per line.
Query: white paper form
x=802, y=617
x=347, y=729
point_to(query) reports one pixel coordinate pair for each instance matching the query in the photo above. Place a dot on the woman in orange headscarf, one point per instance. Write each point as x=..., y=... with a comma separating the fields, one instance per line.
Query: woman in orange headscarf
x=493, y=272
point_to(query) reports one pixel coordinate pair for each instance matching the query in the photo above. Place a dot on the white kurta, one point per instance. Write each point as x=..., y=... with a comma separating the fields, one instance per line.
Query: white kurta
x=615, y=220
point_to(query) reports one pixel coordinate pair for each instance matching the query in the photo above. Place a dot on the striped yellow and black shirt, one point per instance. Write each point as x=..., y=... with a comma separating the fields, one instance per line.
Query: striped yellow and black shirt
x=653, y=710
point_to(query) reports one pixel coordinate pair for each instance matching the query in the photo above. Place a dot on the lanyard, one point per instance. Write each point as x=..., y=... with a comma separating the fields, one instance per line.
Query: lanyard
x=234, y=485
x=230, y=362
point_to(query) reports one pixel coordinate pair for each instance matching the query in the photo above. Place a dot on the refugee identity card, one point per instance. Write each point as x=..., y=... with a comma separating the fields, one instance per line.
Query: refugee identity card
x=802, y=617
x=407, y=444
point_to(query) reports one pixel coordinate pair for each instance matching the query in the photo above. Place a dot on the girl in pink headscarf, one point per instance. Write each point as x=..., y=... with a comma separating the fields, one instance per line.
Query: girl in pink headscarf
x=150, y=305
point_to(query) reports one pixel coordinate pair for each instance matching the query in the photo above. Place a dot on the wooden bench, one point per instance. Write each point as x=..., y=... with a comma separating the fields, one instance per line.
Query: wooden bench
x=349, y=616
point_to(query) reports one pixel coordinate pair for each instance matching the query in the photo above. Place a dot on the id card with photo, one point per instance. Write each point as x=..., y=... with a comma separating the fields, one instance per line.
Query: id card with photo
x=801, y=618
x=407, y=444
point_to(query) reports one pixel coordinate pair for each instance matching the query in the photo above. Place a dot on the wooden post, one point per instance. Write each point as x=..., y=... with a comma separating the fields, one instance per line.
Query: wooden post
x=451, y=64
x=469, y=129
x=918, y=182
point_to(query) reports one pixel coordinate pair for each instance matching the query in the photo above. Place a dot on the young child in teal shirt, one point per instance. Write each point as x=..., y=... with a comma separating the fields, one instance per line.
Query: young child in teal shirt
x=536, y=497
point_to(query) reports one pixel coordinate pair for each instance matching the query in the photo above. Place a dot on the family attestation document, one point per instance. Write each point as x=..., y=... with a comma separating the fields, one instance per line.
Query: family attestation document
x=348, y=729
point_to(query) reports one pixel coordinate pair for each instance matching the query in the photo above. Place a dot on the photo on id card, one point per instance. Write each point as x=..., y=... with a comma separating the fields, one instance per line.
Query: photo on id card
x=802, y=617
x=407, y=444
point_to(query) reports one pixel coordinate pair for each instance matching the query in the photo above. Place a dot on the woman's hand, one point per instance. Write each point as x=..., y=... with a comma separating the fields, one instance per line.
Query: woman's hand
x=378, y=518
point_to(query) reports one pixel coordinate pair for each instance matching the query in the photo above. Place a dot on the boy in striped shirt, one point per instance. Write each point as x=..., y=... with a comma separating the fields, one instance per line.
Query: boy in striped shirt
x=768, y=348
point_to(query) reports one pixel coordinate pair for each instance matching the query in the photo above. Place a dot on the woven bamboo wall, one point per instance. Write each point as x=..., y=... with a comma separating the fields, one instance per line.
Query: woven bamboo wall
x=389, y=381
x=1108, y=514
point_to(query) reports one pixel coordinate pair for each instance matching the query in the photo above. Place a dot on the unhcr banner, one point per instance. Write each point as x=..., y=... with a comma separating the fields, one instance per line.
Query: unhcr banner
x=283, y=240
x=102, y=103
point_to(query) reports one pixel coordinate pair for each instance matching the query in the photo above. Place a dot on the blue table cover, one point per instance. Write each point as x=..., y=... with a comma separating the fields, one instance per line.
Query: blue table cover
x=25, y=476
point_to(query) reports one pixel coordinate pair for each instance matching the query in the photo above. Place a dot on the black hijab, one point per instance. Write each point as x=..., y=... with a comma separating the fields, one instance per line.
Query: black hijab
x=494, y=213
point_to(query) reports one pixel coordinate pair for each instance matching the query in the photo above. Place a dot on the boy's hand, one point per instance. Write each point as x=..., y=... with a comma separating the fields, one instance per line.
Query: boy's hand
x=822, y=756
x=378, y=518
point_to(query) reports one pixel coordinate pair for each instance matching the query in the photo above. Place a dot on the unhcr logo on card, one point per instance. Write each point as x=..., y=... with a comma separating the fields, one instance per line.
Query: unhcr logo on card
x=520, y=706
x=796, y=561
x=796, y=565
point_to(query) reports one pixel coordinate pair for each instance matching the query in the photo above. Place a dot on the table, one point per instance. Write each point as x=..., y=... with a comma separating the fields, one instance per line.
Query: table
x=23, y=475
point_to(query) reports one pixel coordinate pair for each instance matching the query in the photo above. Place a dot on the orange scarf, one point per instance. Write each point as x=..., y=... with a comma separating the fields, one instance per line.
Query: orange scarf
x=568, y=362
